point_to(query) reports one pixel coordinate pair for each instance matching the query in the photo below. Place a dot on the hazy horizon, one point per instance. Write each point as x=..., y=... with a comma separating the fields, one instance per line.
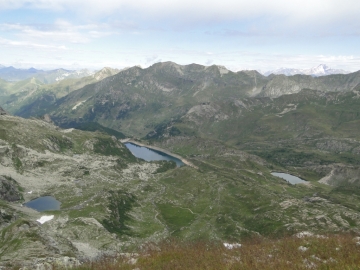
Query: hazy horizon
x=94, y=70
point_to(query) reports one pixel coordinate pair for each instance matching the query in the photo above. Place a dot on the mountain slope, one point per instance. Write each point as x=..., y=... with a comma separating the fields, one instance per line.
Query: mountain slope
x=167, y=91
x=281, y=84
x=31, y=97
x=312, y=133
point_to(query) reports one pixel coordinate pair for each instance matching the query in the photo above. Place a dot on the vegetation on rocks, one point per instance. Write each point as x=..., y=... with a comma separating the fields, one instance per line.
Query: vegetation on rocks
x=120, y=204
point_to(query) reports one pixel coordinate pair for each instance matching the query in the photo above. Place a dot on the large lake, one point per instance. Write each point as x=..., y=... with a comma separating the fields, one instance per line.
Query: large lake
x=150, y=154
x=290, y=178
x=45, y=203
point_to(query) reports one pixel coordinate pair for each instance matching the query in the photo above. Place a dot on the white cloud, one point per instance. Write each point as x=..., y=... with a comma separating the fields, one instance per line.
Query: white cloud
x=209, y=62
x=30, y=45
x=145, y=31
x=266, y=62
x=151, y=59
x=297, y=11
x=60, y=31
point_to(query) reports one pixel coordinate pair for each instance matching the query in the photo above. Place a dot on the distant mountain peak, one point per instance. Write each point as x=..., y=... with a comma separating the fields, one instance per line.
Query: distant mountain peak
x=33, y=70
x=320, y=70
x=170, y=63
x=105, y=72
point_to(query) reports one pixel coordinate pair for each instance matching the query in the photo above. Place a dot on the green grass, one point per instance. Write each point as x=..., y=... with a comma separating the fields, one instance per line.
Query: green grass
x=120, y=204
x=175, y=217
x=18, y=164
x=165, y=166
x=108, y=147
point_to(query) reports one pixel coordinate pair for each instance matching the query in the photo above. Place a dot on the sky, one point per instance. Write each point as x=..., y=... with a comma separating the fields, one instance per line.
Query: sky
x=238, y=34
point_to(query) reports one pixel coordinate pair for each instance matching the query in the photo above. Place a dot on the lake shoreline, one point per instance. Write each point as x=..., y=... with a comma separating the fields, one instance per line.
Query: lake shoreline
x=185, y=161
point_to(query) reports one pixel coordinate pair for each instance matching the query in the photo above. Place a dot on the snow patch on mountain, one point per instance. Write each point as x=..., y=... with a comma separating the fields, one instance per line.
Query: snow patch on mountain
x=44, y=219
x=73, y=74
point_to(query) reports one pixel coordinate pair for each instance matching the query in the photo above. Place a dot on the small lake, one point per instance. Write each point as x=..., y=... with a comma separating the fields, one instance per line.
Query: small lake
x=45, y=203
x=150, y=154
x=290, y=178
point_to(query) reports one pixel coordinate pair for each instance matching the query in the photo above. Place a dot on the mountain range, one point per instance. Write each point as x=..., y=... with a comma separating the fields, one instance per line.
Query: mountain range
x=51, y=76
x=45, y=76
x=320, y=70
x=166, y=90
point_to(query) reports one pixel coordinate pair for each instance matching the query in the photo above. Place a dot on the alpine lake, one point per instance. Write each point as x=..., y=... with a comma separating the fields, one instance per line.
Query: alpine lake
x=45, y=203
x=148, y=154
x=290, y=178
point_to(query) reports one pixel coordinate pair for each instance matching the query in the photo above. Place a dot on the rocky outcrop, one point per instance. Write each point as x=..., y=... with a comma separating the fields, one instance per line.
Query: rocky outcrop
x=6, y=217
x=9, y=189
x=342, y=175
x=2, y=111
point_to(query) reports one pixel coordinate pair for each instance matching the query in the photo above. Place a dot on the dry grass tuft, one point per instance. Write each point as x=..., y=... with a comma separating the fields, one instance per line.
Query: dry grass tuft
x=339, y=251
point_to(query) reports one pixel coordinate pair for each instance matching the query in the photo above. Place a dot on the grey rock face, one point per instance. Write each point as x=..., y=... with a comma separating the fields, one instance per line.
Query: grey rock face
x=9, y=191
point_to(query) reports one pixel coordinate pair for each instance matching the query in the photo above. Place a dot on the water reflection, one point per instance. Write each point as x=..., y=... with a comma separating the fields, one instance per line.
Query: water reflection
x=290, y=178
x=150, y=154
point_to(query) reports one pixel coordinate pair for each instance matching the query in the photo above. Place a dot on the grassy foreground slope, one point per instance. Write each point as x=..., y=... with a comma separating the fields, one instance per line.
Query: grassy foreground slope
x=297, y=252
